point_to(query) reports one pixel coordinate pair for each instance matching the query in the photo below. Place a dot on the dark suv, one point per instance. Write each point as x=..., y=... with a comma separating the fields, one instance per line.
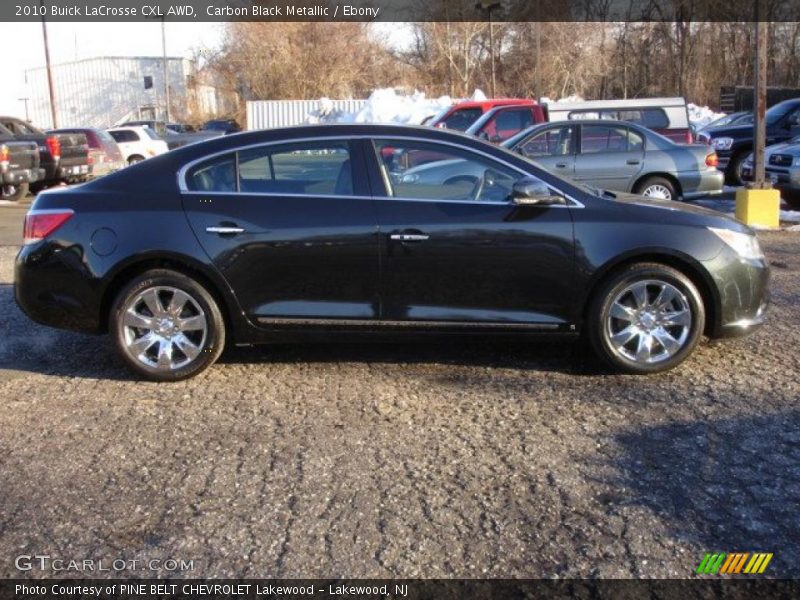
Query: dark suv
x=734, y=143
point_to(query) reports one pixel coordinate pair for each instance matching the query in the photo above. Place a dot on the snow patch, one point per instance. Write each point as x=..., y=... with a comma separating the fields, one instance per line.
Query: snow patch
x=385, y=106
x=700, y=116
x=793, y=216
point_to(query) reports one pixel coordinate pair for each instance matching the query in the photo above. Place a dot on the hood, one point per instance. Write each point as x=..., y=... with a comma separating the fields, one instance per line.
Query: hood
x=712, y=218
x=792, y=149
x=735, y=131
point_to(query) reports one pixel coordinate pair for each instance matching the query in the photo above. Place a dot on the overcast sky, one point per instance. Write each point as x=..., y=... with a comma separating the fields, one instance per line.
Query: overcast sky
x=75, y=41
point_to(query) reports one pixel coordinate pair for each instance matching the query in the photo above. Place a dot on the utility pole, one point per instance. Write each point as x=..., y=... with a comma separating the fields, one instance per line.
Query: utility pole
x=490, y=6
x=53, y=113
x=760, y=103
x=166, y=67
x=758, y=203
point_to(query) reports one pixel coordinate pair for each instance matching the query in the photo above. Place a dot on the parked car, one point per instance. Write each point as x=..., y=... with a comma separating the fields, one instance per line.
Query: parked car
x=19, y=166
x=64, y=157
x=460, y=116
x=226, y=126
x=169, y=132
x=667, y=116
x=298, y=234
x=734, y=143
x=104, y=153
x=608, y=155
x=503, y=122
x=737, y=118
x=138, y=143
x=782, y=168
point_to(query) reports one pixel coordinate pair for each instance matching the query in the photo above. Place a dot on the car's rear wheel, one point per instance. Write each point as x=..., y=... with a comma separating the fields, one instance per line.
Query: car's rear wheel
x=646, y=318
x=14, y=193
x=167, y=326
x=657, y=187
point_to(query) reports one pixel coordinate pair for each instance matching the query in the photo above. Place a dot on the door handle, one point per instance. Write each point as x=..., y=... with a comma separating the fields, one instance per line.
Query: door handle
x=561, y=165
x=633, y=161
x=408, y=237
x=224, y=230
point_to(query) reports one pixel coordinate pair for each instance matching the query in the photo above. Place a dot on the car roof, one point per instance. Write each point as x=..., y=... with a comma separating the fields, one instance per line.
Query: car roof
x=492, y=103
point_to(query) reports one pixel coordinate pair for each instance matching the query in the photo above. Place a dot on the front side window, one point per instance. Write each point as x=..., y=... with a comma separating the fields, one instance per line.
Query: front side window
x=556, y=141
x=431, y=171
x=603, y=138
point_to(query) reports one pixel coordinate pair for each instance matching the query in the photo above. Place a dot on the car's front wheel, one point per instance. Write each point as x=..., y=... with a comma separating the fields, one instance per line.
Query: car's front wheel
x=646, y=318
x=14, y=193
x=167, y=326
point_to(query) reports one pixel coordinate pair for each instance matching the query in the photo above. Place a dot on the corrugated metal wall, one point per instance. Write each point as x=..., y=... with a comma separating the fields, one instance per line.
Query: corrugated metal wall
x=268, y=114
x=99, y=92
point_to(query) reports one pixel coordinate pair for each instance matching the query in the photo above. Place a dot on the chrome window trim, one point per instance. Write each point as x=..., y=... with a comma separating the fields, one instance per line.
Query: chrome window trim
x=185, y=168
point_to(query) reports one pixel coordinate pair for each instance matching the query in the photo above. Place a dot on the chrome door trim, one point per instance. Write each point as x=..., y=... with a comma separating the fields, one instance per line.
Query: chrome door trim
x=181, y=175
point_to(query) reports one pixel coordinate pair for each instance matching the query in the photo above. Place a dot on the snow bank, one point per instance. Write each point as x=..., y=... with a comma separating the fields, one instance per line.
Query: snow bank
x=700, y=116
x=385, y=106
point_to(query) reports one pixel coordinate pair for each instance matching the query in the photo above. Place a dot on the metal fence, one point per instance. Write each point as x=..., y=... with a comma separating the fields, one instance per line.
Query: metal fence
x=268, y=114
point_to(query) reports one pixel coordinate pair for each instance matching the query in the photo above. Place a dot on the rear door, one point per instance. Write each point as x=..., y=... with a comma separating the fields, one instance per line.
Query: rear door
x=454, y=249
x=291, y=227
x=606, y=159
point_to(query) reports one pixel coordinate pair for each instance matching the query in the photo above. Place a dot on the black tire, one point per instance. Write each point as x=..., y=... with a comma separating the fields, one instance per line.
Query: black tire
x=657, y=182
x=792, y=199
x=602, y=325
x=18, y=193
x=208, y=345
x=136, y=158
x=733, y=174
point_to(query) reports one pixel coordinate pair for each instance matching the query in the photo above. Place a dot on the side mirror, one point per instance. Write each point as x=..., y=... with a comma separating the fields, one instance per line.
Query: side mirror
x=529, y=191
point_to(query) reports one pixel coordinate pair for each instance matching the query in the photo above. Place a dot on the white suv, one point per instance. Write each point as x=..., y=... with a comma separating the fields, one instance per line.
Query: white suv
x=138, y=143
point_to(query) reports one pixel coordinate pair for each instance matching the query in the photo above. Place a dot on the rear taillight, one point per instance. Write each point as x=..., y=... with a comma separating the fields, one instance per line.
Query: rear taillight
x=5, y=155
x=54, y=146
x=689, y=137
x=712, y=160
x=41, y=223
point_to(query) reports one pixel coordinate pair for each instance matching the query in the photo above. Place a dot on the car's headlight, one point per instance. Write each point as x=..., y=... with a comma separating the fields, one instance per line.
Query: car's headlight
x=723, y=143
x=744, y=244
x=410, y=178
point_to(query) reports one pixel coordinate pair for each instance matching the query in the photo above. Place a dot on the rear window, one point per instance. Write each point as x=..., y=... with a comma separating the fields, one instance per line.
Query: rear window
x=461, y=119
x=652, y=118
x=124, y=135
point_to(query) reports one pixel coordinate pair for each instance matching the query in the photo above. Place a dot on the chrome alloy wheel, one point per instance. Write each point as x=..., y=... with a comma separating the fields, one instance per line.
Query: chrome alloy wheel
x=649, y=321
x=164, y=328
x=657, y=190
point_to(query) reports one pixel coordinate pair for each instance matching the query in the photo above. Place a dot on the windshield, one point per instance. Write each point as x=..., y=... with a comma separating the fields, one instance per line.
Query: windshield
x=777, y=112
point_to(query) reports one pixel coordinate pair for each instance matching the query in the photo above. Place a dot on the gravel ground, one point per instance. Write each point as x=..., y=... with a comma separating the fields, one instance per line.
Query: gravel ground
x=469, y=460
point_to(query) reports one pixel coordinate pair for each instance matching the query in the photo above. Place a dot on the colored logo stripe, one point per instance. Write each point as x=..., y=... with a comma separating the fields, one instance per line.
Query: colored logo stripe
x=723, y=563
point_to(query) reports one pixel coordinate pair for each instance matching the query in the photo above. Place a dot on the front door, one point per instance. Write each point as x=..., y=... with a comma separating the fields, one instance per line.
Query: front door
x=292, y=229
x=455, y=249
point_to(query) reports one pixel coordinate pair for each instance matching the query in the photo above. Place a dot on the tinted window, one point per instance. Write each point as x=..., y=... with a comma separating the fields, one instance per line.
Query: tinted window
x=216, y=175
x=463, y=118
x=124, y=135
x=603, y=138
x=20, y=128
x=507, y=123
x=652, y=118
x=551, y=142
x=430, y=171
x=314, y=168
x=635, y=141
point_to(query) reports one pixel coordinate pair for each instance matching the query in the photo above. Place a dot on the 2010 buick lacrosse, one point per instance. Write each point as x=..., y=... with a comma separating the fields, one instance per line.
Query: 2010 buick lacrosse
x=314, y=231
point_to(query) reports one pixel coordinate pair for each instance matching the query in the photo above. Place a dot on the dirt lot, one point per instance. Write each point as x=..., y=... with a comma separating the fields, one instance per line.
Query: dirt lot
x=480, y=459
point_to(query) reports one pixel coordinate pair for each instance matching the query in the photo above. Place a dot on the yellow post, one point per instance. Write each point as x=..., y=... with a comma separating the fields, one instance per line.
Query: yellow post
x=760, y=208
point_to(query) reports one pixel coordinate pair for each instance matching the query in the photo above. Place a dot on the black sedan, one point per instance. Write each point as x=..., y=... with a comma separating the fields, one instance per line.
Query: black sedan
x=316, y=231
